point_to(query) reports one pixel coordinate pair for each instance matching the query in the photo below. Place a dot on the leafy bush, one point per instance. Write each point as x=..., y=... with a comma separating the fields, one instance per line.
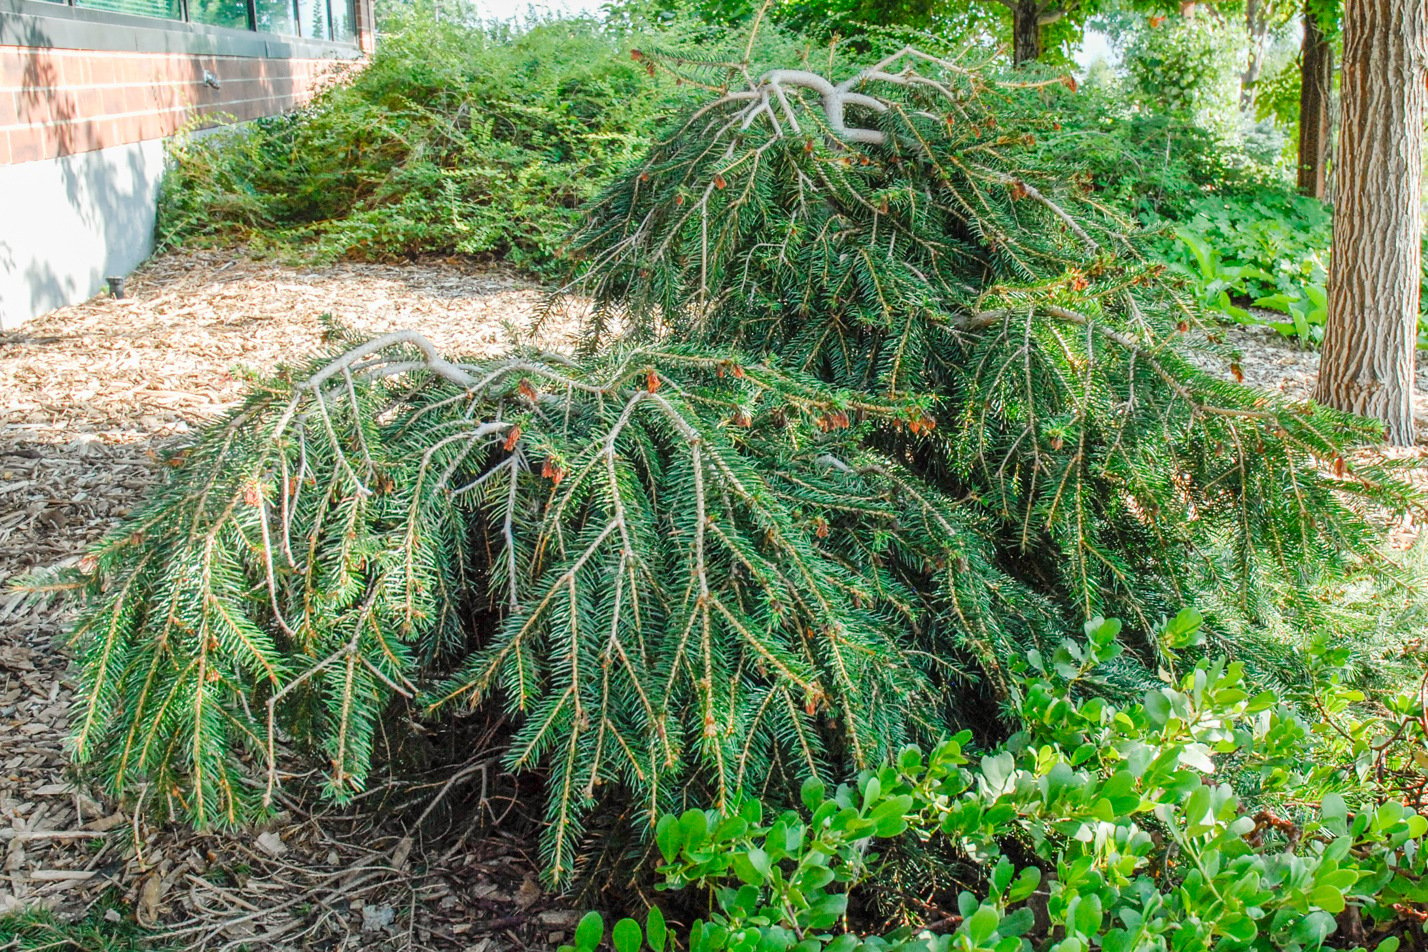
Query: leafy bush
x=1190, y=67
x=927, y=408
x=1265, y=248
x=1094, y=826
x=1268, y=249
x=479, y=140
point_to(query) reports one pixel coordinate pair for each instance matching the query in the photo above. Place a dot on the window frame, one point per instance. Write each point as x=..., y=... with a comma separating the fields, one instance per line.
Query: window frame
x=59, y=24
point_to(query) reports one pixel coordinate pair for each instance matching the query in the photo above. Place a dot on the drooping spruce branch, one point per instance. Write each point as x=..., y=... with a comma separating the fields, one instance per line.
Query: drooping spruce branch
x=920, y=227
x=681, y=571
x=926, y=408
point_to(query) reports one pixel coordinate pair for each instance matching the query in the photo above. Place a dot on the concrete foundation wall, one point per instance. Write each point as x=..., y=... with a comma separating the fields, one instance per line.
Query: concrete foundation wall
x=87, y=98
x=67, y=223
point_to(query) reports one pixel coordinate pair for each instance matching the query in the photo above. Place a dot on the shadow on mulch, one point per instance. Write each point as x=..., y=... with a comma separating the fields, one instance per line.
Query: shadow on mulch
x=87, y=395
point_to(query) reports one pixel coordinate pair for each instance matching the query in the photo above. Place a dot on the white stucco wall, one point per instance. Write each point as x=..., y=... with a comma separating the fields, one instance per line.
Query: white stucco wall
x=68, y=223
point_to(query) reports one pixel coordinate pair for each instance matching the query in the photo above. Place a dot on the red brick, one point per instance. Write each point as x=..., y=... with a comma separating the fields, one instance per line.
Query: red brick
x=33, y=105
x=111, y=100
x=27, y=68
x=128, y=70
x=12, y=67
x=102, y=70
x=168, y=97
x=68, y=104
x=71, y=69
x=125, y=129
x=28, y=144
x=91, y=135
x=64, y=139
x=128, y=98
x=42, y=69
x=172, y=121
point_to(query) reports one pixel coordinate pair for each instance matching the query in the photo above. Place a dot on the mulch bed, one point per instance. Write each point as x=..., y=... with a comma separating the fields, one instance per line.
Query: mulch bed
x=87, y=393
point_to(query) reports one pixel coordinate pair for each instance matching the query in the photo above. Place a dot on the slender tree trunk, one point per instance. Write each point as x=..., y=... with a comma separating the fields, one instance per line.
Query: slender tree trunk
x=1367, y=364
x=1316, y=80
x=1257, y=25
x=1026, y=31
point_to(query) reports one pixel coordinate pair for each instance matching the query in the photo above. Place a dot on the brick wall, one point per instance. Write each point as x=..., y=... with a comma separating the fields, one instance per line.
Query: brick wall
x=365, y=23
x=57, y=102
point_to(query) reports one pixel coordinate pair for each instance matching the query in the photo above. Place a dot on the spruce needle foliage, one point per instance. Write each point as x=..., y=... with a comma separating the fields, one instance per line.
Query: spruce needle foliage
x=901, y=231
x=926, y=408
x=685, y=573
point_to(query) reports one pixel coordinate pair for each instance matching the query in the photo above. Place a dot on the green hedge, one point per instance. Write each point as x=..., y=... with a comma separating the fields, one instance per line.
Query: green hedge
x=455, y=138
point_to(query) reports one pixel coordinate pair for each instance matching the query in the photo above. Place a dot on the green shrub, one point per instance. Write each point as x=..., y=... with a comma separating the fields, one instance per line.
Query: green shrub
x=478, y=140
x=1268, y=249
x=1202, y=817
x=1189, y=66
x=926, y=409
x=679, y=571
x=1263, y=248
x=941, y=257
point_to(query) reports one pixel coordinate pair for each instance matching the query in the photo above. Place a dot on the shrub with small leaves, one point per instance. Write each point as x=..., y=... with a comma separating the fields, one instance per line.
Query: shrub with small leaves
x=1096, y=826
x=1190, y=66
x=454, y=138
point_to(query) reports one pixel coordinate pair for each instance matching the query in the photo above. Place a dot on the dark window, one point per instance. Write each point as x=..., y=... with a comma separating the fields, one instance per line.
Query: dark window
x=169, y=9
x=312, y=18
x=344, y=22
x=229, y=13
x=276, y=16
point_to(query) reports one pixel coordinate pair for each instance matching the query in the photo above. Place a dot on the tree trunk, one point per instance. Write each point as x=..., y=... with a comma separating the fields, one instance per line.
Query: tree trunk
x=1367, y=364
x=1257, y=25
x=1026, y=31
x=1316, y=80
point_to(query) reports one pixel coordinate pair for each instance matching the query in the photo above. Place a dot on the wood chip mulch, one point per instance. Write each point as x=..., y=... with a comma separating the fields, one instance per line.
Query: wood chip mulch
x=87, y=393
x=1277, y=364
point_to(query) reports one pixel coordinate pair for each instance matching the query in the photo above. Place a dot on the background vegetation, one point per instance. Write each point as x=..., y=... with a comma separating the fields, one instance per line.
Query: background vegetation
x=487, y=140
x=481, y=140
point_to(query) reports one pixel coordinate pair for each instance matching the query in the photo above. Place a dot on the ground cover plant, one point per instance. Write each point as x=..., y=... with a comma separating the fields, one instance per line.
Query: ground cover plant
x=875, y=404
x=1095, y=825
x=1224, y=218
x=1260, y=250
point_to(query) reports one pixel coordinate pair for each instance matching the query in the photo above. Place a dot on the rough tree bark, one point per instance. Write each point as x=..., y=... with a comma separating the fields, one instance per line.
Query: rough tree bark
x=1026, y=31
x=1367, y=364
x=1028, y=19
x=1316, y=79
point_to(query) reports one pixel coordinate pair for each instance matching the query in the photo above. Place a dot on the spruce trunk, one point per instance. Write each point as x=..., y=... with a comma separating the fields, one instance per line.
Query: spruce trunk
x=1316, y=77
x=1367, y=365
x=1026, y=31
